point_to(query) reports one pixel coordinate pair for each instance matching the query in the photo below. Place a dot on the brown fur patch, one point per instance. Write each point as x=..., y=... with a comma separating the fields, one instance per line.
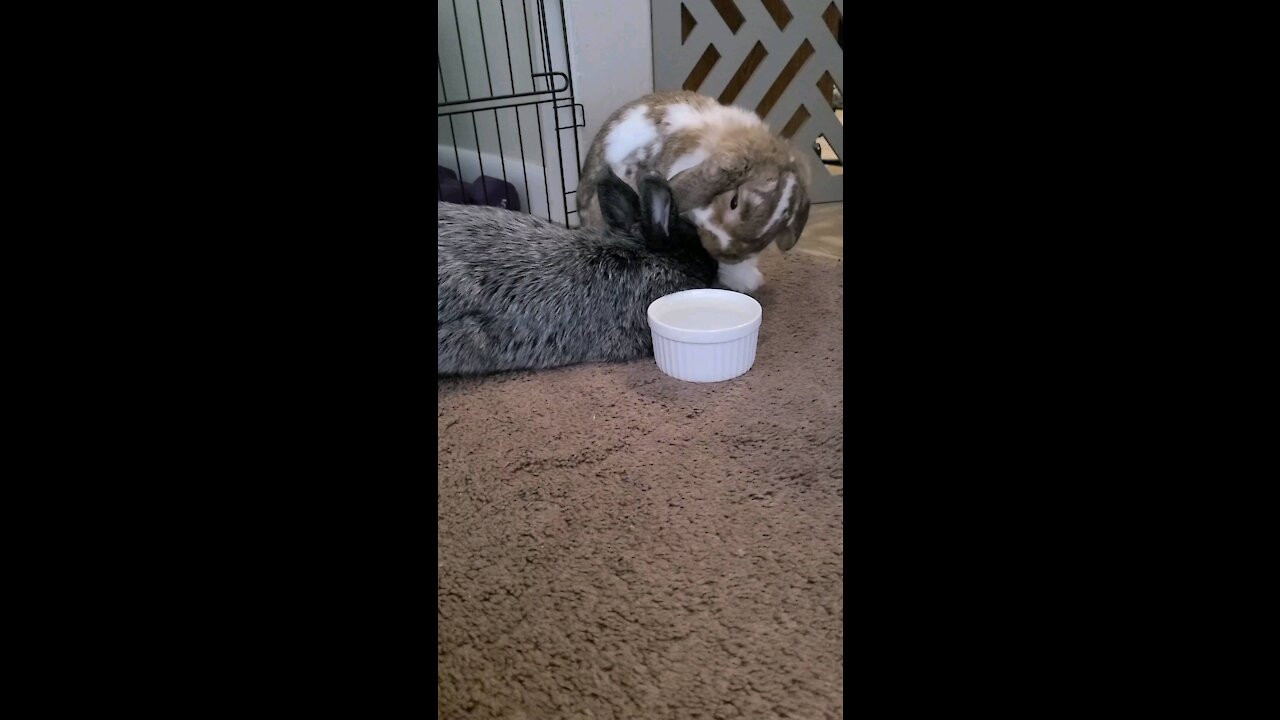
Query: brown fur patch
x=676, y=147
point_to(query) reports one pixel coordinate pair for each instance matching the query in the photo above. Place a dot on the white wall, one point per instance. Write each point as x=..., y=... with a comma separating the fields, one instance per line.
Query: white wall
x=612, y=52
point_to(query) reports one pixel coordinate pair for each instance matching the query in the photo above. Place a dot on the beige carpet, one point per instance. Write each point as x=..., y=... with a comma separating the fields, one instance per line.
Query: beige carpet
x=614, y=543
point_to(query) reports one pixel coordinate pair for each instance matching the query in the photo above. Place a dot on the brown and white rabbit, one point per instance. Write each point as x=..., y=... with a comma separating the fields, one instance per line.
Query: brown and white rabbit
x=741, y=185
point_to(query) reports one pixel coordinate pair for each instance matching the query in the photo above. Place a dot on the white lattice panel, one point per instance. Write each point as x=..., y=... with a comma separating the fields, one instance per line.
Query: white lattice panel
x=781, y=59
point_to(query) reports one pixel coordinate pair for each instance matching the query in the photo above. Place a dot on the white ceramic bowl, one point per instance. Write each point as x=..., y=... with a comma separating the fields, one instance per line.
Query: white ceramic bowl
x=705, y=335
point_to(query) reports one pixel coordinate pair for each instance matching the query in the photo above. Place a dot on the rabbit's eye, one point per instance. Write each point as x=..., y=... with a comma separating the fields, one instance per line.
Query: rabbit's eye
x=733, y=204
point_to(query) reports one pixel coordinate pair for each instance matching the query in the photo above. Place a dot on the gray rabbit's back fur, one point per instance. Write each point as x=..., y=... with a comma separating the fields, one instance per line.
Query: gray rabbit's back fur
x=517, y=292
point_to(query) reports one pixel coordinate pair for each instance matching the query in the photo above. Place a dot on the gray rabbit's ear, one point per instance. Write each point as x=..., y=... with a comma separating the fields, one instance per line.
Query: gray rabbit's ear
x=660, y=208
x=790, y=234
x=619, y=204
x=655, y=196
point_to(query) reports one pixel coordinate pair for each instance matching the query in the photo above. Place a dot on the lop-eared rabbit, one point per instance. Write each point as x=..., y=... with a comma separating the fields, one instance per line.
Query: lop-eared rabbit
x=740, y=184
x=516, y=292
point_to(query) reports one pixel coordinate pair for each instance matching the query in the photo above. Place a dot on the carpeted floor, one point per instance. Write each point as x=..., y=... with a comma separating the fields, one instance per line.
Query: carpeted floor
x=614, y=543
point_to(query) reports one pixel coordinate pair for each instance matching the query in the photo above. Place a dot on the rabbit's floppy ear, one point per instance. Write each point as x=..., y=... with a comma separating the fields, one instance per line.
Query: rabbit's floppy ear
x=790, y=234
x=619, y=204
x=656, y=202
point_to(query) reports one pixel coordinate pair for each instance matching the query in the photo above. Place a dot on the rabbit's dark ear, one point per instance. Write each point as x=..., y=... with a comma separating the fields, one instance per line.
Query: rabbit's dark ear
x=790, y=234
x=657, y=207
x=619, y=204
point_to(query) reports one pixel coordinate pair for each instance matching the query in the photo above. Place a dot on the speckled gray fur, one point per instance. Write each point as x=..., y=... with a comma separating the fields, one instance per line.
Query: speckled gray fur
x=516, y=292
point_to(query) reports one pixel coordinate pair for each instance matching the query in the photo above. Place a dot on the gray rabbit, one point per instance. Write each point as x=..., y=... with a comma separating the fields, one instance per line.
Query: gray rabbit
x=516, y=292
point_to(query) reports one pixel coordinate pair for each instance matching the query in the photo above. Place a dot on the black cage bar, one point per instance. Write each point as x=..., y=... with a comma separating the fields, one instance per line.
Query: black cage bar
x=505, y=100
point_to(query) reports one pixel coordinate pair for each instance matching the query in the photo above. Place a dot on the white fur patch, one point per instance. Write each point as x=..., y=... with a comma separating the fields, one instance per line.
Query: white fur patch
x=633, y=133
x=682, y=115
x=702, y=218
x=784, y=204
x=743, y=276
x=684, y=162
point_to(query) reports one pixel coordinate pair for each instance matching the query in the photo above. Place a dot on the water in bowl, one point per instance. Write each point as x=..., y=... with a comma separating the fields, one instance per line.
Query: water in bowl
x=705, y=316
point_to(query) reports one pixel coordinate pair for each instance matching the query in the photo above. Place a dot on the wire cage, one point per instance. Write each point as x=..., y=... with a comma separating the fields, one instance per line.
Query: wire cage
x=506, y=113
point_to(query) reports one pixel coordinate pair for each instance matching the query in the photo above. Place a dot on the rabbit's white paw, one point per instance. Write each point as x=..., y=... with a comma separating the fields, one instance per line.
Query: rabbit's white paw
x=742, y=277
